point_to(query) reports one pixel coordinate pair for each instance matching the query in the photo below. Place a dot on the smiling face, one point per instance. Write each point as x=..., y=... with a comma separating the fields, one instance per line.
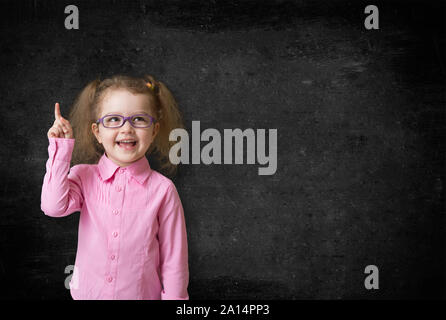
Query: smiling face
x=127, y=144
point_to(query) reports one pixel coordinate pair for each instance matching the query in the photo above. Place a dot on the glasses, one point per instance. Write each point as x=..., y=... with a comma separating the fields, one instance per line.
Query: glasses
x=117, y=121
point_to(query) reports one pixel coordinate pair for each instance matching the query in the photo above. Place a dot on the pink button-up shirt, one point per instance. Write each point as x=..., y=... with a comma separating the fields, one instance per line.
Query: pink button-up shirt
x=132, y=241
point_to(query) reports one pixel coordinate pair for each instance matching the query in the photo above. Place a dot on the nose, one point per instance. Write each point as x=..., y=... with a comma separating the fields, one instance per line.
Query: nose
x=127, y=127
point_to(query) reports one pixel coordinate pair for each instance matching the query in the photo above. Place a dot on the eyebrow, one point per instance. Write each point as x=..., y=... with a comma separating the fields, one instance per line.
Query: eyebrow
x=120, y=113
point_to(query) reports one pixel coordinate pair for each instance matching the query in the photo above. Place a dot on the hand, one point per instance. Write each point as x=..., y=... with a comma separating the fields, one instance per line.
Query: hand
x=61, y=127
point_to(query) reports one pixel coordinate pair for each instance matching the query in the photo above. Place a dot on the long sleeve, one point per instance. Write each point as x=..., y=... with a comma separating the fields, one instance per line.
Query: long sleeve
x=61, y=192
x=172, y=238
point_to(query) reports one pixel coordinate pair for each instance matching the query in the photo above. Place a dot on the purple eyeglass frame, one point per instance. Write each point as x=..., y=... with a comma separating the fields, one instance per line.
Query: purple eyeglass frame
x=101, y=120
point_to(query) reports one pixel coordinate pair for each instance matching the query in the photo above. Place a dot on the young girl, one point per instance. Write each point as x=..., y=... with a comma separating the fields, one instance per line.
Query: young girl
x=132, y=240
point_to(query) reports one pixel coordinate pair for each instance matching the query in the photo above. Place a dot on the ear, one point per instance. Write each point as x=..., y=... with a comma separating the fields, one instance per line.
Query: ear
x=156, y=129
x=95, y=130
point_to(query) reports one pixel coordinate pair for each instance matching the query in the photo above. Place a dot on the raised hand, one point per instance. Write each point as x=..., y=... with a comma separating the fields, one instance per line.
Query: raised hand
x=61, y=127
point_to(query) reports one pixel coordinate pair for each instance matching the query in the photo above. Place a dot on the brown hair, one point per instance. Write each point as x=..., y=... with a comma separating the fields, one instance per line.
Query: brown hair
x=85, y=111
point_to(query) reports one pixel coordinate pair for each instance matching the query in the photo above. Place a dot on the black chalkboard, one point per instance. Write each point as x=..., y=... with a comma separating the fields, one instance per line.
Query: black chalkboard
x=360, y=127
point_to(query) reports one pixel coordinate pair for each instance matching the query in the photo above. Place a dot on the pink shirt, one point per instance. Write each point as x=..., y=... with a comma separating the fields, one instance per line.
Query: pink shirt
x=132, y=241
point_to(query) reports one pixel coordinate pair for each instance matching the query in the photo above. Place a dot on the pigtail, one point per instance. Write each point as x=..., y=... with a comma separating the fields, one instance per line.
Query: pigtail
x=86, y=148
x=169, y=117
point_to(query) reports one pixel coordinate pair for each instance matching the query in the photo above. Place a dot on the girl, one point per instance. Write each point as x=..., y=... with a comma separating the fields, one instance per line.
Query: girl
x=132, y=240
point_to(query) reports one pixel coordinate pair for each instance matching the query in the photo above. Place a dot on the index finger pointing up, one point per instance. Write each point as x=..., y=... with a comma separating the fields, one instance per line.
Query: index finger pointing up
x=57, y=114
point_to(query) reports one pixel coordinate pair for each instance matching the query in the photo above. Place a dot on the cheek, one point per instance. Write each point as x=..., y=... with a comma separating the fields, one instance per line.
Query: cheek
x=107, y=138
x=147, y=138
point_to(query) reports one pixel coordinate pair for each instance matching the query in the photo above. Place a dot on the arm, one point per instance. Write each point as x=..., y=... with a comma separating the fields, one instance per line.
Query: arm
x=61, y=193
x=173, y=247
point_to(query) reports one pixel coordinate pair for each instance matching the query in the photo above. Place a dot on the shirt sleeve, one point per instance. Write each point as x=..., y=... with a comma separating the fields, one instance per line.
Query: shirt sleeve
x=172, y=238
x=61, y=192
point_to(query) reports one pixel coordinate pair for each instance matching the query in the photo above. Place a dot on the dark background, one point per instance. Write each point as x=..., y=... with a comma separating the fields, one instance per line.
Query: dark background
x=360, y=120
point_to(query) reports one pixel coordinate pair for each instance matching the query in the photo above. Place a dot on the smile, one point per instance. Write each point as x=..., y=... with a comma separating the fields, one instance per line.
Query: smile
x=127, y=144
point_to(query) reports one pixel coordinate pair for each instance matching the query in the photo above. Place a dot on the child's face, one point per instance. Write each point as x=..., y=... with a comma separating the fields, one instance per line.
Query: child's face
x=125, y=103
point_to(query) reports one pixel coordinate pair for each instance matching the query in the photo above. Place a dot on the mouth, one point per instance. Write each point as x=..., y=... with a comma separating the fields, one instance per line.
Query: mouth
x=127, y=144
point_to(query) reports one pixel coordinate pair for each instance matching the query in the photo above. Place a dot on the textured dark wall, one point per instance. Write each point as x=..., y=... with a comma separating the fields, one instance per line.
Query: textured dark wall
x=360, y=120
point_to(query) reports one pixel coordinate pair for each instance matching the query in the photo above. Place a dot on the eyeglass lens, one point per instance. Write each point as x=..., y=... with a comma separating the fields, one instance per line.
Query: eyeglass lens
x=138, y=121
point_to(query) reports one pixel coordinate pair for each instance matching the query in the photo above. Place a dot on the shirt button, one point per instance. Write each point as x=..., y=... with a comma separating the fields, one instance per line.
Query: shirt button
x=112, y=257
x=116, y=211
x=115, y=234
x=118, y=188
x=122, y=170
x=109, y=279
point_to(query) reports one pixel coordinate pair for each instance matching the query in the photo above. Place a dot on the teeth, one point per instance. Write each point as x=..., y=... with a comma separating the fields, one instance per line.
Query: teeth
x=126, y=141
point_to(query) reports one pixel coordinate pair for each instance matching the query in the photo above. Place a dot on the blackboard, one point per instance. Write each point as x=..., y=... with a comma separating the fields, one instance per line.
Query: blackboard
x=359, y=116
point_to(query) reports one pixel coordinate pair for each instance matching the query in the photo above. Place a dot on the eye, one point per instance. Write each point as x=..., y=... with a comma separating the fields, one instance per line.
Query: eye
x=112, y=119
x=140, y=119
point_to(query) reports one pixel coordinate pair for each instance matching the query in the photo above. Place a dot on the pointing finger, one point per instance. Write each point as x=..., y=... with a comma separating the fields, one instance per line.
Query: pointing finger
x=57, y=114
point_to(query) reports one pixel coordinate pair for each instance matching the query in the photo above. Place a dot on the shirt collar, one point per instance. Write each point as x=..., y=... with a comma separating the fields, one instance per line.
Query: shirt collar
x=140, y=170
